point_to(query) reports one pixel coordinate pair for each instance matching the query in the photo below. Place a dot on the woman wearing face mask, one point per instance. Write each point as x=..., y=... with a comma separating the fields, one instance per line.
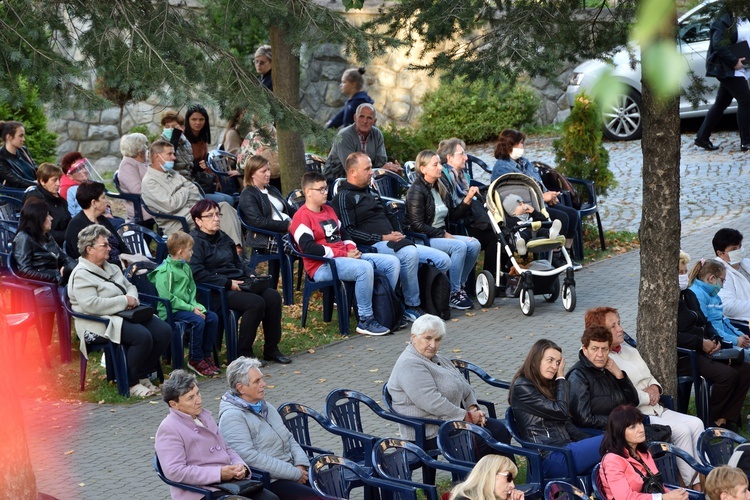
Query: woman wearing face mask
x=731, y=382
x=735, y=294
x=509, y=152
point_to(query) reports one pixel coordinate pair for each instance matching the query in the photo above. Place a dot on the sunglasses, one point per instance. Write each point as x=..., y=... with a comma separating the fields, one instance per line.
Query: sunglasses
x=508, y=476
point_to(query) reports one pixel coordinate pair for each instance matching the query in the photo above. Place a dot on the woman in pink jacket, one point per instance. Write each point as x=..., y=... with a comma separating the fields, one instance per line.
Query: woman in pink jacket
x=626, y=462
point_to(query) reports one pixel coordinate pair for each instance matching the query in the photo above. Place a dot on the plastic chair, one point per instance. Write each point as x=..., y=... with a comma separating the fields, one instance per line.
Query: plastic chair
x=296, y=418
x=220, y=163
x=206, y=293
x=665, y=457
x=296, y=198
x=21, y=297
x=286, y=266
x=596, y=484
x=336, y=185
x=589, y=207
x=395, y=459
x=334, y=284
x=334, y=477
x=207, y=494
x=314, y=162
x=158, y=215
x=467, y=368
x=135, y=199
x=472, y=161
x=458, y=441
x=389, y=184
x=7, y=234
x=136, y=239
x=10, y=208
x=16, y=193
x=343, y=408
x=686, y=382
x=716, y=445
x=115, y=353
x=560, y=490
x=571, y=476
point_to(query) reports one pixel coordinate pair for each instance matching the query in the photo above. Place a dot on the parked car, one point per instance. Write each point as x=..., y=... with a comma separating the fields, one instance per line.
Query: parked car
x=622, y=121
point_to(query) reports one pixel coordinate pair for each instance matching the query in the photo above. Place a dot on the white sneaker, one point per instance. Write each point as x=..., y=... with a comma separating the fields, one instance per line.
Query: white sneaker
x=554, y=231
x=520, y=246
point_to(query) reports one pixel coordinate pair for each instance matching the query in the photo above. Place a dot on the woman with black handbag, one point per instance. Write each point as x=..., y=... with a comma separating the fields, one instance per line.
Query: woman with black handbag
x=628, y=471
x=453, y=156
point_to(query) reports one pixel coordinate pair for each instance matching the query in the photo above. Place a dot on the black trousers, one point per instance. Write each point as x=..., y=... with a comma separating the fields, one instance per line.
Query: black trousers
x=730, y=385
x=569, y=219
x=256, y=309
x=733, y=87
x=488, y=240
x=292, y=490
x=146, y=342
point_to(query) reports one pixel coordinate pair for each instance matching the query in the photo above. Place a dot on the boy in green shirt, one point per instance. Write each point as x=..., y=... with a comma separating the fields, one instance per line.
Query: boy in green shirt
x=174, y=281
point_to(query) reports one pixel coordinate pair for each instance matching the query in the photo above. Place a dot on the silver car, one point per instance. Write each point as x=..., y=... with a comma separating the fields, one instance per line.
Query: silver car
x=622, y=122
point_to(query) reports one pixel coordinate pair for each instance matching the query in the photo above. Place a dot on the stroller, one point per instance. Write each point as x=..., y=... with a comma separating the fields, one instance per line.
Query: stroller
x=540, y=277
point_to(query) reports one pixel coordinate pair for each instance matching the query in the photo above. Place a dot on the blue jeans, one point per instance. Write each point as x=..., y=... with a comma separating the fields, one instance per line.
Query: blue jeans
x=219, y=197
x=410, y=257
x=203, y=335
x=464, y=252
x=361, y=272
x=585, y=457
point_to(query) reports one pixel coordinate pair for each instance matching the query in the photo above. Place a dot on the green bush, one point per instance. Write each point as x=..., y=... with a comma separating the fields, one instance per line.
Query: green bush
x=403, y=144
x=143, y=129
x=41, y=142
x=475, y=111
x=579, y=151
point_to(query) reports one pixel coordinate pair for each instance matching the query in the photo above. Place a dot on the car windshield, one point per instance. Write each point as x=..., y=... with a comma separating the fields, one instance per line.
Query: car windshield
x=697, y=28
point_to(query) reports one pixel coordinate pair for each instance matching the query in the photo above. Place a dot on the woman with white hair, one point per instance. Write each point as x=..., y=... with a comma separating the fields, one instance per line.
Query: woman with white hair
x=490, y=479
x=134, y=165
x=425, y=384
x=255, y=430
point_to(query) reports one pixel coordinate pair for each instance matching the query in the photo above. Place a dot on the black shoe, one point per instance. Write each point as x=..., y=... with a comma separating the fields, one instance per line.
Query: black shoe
x=278, y=358
x=577, y=266
x=707, y=145
x=745, y=148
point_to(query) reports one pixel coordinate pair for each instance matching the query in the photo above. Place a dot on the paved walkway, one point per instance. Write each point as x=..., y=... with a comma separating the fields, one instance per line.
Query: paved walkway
x=89, y=451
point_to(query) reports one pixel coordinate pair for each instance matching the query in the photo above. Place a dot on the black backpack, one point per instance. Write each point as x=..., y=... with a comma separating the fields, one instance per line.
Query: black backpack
x=434, y=291
x=385, y=304
x=555, y=181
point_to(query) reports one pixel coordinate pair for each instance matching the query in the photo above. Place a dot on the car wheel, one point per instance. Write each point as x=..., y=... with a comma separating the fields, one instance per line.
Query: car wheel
x=622, y=121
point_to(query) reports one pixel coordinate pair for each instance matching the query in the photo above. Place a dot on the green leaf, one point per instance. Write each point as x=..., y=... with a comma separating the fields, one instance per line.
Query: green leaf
x=353, y=4
x=652, y=16
x=663, y=67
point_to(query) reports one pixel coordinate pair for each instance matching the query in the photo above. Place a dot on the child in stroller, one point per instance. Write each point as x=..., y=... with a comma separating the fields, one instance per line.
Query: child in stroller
x=519, y=213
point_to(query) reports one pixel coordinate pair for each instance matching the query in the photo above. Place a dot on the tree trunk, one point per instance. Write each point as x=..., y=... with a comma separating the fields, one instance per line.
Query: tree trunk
x=16, y=475
x=285, y=68
x=660, y=236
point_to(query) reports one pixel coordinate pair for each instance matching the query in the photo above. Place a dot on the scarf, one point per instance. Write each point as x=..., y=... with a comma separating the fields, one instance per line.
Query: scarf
x=259, y=408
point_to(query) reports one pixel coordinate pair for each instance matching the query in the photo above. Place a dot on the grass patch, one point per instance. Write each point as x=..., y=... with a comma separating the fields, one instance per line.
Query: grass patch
x=543, y=131
x=618, y=242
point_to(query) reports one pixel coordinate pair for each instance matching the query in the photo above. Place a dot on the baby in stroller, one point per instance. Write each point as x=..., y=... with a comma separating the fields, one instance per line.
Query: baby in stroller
x=519, y=213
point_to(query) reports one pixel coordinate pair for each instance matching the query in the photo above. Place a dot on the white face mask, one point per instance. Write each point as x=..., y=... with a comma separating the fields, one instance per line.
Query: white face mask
x=736, y=256
x=683, y=279
x=516, y=153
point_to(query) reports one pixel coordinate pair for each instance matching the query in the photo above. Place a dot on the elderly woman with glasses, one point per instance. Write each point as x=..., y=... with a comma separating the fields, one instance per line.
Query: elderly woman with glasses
x=215, y=262
x=190, y=448
x=425, y=384
x=254, y=429
x=490, y=479
x=98, y=288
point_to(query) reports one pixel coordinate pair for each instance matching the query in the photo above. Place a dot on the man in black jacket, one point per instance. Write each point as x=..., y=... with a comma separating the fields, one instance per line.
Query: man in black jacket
x=366, y=220
x=597, y=385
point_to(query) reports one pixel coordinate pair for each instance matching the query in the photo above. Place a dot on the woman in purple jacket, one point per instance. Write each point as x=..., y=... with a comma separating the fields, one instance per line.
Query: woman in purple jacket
x=188, y=443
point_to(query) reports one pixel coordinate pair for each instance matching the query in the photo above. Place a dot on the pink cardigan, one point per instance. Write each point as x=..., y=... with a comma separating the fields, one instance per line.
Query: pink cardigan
x=619, y=480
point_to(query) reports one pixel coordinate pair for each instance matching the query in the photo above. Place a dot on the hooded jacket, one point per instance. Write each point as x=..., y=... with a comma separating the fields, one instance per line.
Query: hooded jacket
x=713, y=309
x=345, y=116
x=173, y=280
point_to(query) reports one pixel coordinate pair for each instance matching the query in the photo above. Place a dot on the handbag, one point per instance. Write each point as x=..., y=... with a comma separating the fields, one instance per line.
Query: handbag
x=138, y=314
x=652, y=483
x=733, y=355
x=256, y=284
x=241, y=487
x=477, y=217
x=657, y=432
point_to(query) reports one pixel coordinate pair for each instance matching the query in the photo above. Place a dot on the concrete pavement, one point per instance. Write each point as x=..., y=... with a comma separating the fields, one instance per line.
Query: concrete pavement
x=90, y=451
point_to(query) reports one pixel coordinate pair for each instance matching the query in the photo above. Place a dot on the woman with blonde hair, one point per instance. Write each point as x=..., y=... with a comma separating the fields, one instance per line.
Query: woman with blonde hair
x=430, y=208
x=491, y=479
x=727, y=483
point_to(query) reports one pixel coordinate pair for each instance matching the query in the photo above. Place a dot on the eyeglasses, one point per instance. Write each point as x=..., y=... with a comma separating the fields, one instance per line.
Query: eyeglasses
x=508, y=476
x=213, y=215
x=459, y=153
x=103, y=245
x=322, y=190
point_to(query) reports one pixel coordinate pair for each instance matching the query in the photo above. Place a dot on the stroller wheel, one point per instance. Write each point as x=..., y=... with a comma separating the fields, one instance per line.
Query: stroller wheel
x=526, y=298
x=552, y=296
x=569, y=297
x=485, y=288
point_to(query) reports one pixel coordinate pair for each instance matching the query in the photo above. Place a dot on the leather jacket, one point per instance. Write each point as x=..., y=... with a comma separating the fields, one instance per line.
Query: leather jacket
x=215, y=260
x=17, y=170
x=58, y=209
x=595, y=392
x=542, y=420
x=40, y=260
x=255, y=209
x=720, y=60
x=692, y=326
x=420, y=208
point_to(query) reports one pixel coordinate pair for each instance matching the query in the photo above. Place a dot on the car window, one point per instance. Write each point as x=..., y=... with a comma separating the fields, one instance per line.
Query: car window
x=697, y=28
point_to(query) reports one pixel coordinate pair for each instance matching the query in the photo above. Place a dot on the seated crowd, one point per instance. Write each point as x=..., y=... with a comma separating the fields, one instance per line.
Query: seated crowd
x=601, y=411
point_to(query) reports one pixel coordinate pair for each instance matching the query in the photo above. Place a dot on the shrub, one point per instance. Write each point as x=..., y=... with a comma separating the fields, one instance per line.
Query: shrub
x=143, y=129
x=579, y=151
x=41, y=142
x=475, y=111
x=403, y=144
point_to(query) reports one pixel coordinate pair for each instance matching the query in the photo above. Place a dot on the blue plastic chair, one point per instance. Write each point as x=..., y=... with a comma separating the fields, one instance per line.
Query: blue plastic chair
x=334, y=477
x=286, y=266
x=686, y=383
x=560, y=490
x=596, y=483
x=10, y=208
x=159, y=215
x=220, y=163
x=135, y=199
x=716, y=445
x=16, y=193
x=114, y=353
x=389, y=185
x=21, y=297
x=207, y=295
x=334, y=285
x=665, y=457
x=458, y=441
x=296, y=418
x=395, y=459
x=207, y=494
x=136, y=239
x=467, y=368
x=589, y=206
x=472, y=162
